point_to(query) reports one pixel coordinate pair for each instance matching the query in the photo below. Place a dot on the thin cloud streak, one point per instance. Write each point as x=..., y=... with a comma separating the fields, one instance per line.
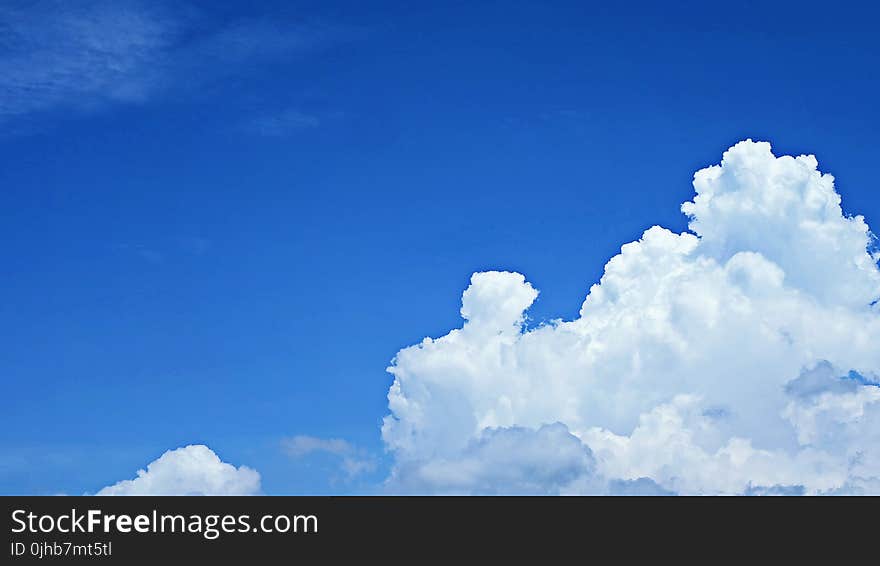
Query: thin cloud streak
x=354, y=461
x=58, y=57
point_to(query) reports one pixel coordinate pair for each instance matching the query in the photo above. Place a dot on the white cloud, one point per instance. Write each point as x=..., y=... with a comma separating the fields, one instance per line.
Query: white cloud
x=353, y=460
x=549, y=460
x=191, y=470
x=689, y=363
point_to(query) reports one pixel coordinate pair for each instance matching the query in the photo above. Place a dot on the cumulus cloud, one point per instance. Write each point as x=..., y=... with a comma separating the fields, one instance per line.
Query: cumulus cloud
x=543, y=461
x=738, y=357
x=191, y=470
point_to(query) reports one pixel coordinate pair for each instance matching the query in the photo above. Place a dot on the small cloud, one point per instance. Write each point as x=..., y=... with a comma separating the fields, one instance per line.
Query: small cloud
x=191, y=470
x=354, y=461
x=158, y=252
x=142, y=251
x=281, y=124
x=302, y=445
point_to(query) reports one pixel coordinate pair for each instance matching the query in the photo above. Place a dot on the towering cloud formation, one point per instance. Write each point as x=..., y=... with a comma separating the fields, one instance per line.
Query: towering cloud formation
x=191, y=470
x=740, y=357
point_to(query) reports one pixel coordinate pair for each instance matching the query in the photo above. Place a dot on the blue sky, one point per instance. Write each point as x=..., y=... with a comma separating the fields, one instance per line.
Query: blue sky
x=221, y=223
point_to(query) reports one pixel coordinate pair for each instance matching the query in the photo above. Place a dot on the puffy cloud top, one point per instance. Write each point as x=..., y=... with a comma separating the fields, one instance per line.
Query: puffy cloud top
x=788, y=211
x=740, y=358
x=496, y=301
x=191, y=470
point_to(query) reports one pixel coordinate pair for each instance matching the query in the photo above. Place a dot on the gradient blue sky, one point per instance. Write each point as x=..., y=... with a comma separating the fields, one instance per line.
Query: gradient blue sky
x=222, y=232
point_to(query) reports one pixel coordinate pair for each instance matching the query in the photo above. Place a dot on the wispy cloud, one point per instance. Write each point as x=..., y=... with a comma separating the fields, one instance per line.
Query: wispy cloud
x=354, y=461
x=158, y=252
x=142, y=251
x=57, y=55
x=281, y=124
